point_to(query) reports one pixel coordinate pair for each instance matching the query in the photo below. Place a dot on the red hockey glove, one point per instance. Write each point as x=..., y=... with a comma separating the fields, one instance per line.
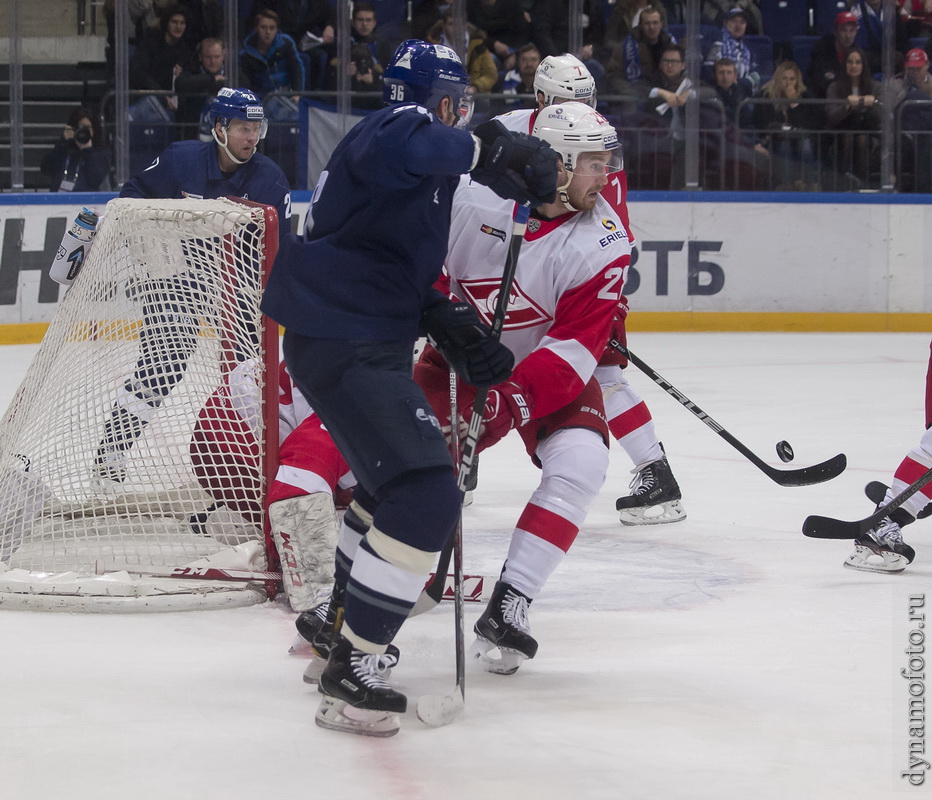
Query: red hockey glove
x=610, y=356
x=506, y=407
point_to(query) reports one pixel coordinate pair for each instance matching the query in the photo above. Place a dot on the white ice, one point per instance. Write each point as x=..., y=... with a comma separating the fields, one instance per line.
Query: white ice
x=726, y=656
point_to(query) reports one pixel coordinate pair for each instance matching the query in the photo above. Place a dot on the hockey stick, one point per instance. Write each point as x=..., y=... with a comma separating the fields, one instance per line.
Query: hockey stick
x=436, y=710
x=433, y=592
x=817, y=473
x=818, y=527
x=195, y=573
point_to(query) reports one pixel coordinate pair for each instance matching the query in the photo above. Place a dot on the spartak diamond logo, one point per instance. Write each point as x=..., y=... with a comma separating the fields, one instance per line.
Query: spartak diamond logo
x=522, y=312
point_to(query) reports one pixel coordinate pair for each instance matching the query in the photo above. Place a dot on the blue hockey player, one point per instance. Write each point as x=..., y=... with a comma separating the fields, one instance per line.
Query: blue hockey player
x=171, y=306
x=228, y=166
x=354, y=297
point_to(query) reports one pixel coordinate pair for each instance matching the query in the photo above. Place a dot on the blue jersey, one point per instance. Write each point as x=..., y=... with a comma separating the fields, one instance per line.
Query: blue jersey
x=192, y=169
x=381, y=219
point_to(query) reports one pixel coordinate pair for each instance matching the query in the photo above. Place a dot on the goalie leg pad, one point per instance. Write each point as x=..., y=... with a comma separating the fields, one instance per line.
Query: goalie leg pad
x=305, y=532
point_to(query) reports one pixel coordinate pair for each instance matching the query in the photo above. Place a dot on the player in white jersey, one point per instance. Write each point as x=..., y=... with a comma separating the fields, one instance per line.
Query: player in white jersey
x=565, y=292
x=655, y=495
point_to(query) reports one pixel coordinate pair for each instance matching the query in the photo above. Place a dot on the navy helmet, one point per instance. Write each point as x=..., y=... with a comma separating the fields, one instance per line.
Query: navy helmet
x=230, y=104
x=425, y=73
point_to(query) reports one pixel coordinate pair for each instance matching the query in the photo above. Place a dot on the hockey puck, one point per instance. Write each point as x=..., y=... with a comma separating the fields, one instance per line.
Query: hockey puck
x=785, y=451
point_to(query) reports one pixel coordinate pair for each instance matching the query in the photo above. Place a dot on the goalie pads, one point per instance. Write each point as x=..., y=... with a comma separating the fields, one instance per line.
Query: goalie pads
x=305, y=530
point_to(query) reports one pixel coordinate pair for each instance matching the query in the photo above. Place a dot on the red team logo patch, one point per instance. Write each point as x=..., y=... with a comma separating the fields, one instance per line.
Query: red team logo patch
x=523, y=312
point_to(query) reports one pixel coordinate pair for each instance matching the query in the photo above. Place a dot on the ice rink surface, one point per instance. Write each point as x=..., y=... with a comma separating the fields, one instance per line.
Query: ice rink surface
x=725, y=656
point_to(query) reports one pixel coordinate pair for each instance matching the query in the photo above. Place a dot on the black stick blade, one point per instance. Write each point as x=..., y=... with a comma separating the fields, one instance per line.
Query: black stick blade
x=807, y=476
x=817, y=527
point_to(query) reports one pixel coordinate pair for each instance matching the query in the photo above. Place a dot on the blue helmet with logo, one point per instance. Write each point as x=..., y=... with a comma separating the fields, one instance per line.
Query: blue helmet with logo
x=425, y=73
x=230, y=104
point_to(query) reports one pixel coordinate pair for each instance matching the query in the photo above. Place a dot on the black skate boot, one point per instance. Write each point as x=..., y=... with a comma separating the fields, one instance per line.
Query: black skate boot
x=655, y=497
x=358, y=679
x=320, y=625
x=882, y=548
x=504, y=625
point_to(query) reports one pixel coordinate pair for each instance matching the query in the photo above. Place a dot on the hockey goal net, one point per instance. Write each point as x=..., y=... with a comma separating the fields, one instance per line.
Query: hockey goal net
x=137, y=443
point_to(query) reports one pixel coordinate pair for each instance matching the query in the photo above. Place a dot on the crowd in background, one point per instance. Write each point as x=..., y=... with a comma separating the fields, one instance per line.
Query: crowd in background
x=771, y=116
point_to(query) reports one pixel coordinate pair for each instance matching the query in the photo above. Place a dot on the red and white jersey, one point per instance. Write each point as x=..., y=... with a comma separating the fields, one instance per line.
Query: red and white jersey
x=567, y=284
x=520, y=120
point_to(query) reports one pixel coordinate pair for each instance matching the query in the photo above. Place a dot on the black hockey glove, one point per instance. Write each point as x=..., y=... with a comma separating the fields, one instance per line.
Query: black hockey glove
x=514, y=165
x=467, y=344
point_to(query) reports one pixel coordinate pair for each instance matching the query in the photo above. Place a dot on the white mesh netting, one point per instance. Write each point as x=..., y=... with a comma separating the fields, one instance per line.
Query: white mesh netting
x=128, y=443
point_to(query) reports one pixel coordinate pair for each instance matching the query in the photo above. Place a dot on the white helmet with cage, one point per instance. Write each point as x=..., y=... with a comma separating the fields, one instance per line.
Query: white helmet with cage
x=583, y=138
x=562, y=78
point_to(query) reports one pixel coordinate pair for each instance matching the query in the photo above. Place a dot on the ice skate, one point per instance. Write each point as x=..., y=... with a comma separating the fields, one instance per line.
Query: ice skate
x=356, y=696
x=319, y=626
x=881, y=549
x=503, y=627
x=654, y=499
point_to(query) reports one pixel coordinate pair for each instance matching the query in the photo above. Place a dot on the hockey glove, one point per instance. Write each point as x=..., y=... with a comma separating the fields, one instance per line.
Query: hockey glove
x=467, y=343
x=506, y=407
x=514, y=165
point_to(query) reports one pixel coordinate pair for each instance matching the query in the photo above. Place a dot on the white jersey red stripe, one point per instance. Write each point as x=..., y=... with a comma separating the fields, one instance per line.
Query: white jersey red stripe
x=568, y=280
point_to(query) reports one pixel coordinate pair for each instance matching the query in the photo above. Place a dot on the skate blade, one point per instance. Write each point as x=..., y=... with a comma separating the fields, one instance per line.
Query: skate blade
x=863, y=559
x=437, y=710
x=506, y=662
x=336, y=715
x=301, y=647
x=314, y=669
x=661, y=514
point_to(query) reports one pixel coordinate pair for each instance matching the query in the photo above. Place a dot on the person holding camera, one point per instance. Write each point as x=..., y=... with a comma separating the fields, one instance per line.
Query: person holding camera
x=75, y=163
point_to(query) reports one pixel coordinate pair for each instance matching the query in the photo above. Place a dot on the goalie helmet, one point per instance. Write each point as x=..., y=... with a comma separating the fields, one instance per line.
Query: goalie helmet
x=424, y=73
x=562, y=78
x=574, y=128
x=230, y=104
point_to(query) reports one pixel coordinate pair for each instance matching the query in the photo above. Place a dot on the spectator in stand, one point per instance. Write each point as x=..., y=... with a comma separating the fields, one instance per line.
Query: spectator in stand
x=75, y=164
x=730, y=93
x=269, y=62
x=854, y=110
x=731, y=44
x=308, y=22
x=368, y=55
x=870, y=34
x=744, y=157
x=916, y=118
x=198, y=86
x=550, y=31
x=624, y=18
x=667, y=99
x=786, y=130
x=716, y=12
x=161, y=56
x=205, y=18
x=506, y=25
x=634, y=66
x=520, y=81
x=483, y=74
x=827, y=60
x=918, y=17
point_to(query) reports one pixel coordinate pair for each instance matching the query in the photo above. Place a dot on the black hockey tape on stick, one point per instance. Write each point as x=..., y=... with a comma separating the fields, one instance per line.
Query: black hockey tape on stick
x=817, y=473
x=818, y=527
